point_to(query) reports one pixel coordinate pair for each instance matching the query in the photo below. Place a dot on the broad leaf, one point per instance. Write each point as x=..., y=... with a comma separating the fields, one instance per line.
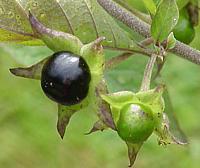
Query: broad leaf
x=180, y=3
x=82, y=18
x=150, y=5
x=165, y=20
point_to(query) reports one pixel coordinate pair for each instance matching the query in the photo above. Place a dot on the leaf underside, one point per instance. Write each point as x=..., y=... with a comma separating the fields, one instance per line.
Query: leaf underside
x=82, y=18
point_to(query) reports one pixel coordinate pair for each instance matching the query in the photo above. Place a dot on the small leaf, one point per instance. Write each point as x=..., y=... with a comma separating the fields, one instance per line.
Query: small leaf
x=171, y=41
x=165, y=19
x=133, y=150
x=33, y=72
x=150, y=5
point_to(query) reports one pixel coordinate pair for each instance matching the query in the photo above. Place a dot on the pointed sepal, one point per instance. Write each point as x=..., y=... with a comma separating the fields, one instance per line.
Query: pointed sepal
x=153, y=99
x=165, y=137
x=64, y=115
x=98, y=126
x=32, y=72
x=133, y=150
x=93, y=54
x=119, y=99
x=55, y=40
x=104, y=111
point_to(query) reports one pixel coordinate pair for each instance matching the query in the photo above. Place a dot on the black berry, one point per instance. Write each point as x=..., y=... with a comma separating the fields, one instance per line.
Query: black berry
x=66, y=78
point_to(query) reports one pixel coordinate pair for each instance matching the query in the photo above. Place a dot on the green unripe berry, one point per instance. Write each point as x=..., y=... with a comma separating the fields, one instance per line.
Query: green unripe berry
x=135, y=123
x=184, y=30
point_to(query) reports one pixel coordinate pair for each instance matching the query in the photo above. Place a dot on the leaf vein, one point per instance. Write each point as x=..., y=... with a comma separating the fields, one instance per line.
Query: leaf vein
x=66, y=17
x=92, y=17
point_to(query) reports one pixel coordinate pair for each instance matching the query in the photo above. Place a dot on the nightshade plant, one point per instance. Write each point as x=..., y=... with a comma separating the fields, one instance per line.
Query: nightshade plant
x=73, y=76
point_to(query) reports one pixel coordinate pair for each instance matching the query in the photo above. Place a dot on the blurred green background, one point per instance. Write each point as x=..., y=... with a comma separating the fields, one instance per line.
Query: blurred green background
x=28, y=135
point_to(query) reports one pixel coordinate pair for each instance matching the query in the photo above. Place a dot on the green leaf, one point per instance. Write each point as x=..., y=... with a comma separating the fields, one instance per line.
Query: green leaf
x=82, y=18
x=150, y=5
x=171, y=41
x=180, y=3
x=26, y=55
x=165, y=19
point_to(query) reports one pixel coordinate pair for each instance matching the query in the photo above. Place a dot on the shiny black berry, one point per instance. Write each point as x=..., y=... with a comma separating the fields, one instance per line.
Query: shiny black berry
x=66, y=78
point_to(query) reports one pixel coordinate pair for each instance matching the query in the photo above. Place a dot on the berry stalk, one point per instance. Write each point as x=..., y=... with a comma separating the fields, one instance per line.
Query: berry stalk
x=148, y=73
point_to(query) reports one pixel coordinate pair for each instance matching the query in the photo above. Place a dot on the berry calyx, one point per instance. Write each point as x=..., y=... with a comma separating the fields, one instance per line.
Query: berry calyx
x=65, y=78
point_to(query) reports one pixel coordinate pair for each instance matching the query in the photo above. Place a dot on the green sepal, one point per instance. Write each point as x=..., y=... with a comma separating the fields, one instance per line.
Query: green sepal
x=150, y=100
x=118, y=100
x=32, y=72
x=162, y=130
x=104, y=111
x=153, y=99
x=133, y=150
x=98, y=126
x=64, y=116
x=55, y=40
x=94, y=56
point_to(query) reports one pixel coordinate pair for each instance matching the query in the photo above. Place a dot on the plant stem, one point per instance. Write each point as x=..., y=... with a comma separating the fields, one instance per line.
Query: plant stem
x=146, y=18
x=143, y=29
x=148, y=73
x=111, y=63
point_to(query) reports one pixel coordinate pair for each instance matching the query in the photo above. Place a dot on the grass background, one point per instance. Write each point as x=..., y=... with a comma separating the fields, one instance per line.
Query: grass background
x=28, y=136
